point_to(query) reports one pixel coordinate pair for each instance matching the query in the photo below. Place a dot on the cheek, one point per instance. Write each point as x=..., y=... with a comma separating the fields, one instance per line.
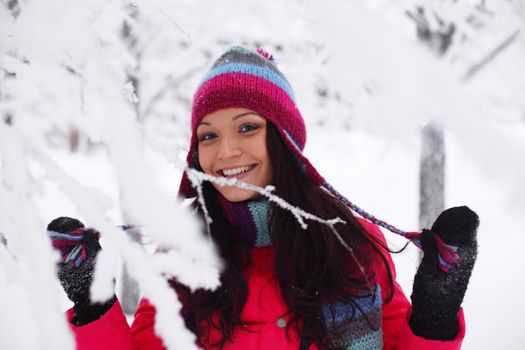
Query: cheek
x=268, y=173
x=205, y=159
x=261, y=153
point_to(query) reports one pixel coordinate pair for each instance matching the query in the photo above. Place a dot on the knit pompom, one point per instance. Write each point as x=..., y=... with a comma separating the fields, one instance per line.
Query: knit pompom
x=266, y=55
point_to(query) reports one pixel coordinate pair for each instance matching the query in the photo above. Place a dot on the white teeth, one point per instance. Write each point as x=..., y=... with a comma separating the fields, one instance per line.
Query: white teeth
x=232, y=172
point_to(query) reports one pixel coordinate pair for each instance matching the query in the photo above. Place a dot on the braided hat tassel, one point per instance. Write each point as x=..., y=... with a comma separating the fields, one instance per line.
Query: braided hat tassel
x=448, y=258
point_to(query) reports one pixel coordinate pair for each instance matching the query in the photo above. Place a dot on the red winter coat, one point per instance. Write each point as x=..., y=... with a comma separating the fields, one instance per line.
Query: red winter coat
x=264, y=304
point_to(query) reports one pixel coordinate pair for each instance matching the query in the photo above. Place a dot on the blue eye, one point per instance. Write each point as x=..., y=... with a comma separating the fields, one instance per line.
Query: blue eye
x=207, y=136
x=248, y=127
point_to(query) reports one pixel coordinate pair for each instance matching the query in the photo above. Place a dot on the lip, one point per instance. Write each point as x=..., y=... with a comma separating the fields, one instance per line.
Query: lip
x=238, y=176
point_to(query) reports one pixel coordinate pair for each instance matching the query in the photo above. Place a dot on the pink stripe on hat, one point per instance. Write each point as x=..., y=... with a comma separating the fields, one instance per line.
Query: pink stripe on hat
x=267, y=99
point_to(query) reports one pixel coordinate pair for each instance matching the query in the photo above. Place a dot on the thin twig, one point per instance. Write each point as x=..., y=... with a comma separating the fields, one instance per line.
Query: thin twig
x=171, y=83
x=197, y=177
x=3, y=239
x=491, y=55
x=197, y=183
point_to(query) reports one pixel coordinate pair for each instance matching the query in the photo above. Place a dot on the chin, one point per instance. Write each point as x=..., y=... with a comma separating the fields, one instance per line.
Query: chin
x=235, y=194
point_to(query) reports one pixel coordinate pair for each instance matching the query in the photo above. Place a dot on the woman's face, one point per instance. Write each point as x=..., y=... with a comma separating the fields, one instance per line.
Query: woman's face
x=232, y=143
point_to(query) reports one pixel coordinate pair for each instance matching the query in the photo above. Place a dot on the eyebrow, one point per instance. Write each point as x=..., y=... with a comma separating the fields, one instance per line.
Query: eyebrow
x=234, y=118
x=244, y=114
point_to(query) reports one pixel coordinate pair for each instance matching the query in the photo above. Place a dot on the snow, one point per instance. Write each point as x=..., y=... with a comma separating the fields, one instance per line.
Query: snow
x=365, y=86
x=380, y=174
x=36, y=272
x=106, y=267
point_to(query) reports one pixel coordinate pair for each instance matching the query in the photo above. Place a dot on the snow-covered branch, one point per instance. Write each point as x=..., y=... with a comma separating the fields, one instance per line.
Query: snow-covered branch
x=197, y=177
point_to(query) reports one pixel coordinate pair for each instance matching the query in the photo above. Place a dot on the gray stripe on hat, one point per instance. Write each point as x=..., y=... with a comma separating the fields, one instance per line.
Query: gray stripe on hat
x=243, y=55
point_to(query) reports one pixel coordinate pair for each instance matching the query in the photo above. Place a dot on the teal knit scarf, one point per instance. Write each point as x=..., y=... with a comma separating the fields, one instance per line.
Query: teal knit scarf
x=249, y=219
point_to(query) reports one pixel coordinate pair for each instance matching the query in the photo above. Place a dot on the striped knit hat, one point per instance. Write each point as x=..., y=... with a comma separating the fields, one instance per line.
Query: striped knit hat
x=244, y=78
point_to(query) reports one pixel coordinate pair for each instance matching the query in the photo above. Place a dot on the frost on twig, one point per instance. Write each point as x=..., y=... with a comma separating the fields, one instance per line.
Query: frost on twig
x=197, y=183
x=196, y=177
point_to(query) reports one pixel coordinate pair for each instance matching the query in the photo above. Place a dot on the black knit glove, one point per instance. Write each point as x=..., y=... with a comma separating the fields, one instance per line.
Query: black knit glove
x=437, y=295
x=76, y=280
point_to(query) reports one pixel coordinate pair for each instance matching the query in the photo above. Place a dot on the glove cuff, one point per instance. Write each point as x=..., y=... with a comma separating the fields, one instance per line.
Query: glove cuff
x=86, y=313
x=434, y=329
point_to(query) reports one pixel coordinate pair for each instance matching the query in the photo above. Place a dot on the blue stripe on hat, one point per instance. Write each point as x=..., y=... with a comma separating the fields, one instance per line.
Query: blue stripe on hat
x=253, y=70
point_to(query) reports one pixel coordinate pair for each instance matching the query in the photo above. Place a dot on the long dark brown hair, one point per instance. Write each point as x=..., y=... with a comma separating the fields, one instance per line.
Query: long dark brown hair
x=312, y=266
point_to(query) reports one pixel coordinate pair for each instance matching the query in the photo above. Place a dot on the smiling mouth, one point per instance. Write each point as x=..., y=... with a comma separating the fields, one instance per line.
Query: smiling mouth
x=233, y=172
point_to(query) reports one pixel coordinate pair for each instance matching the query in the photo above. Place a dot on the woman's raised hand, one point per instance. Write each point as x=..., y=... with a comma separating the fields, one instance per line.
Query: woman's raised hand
x=79, y=248
x=437, y=295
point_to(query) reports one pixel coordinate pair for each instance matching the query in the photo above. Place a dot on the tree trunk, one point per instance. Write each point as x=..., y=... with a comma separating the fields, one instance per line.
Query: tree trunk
x=432, y=175
x=130, y=293
x=129, y=298
x=130, y=288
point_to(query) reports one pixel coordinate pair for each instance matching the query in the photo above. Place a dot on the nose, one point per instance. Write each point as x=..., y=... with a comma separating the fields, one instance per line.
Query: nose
x=228, y=148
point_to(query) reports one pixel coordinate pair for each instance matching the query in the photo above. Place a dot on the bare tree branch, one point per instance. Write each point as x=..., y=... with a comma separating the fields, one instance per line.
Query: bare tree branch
x=170, y=83
x=439, y=39
x=490, y=56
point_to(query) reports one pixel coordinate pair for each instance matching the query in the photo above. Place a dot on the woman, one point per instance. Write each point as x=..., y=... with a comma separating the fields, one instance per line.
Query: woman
x=284, y=287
